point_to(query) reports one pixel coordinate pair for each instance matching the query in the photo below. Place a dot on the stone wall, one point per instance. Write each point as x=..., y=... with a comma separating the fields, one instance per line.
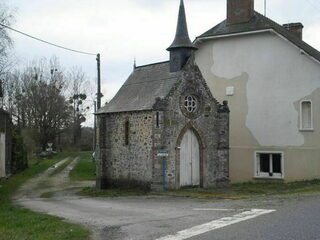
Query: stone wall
x=125, y=162
x=136, y=162
x=210, y=123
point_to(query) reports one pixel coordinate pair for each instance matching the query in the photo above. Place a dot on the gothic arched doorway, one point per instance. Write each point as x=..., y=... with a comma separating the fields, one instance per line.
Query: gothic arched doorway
x=189, y=160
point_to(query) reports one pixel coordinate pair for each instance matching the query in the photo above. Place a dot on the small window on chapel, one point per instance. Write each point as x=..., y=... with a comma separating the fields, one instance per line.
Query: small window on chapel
x=157, y=119
x=126, y=129
x=306, y=122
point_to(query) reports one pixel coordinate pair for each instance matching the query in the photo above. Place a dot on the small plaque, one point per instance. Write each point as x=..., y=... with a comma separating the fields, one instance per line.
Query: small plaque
x=163, y=153
x=230, y=91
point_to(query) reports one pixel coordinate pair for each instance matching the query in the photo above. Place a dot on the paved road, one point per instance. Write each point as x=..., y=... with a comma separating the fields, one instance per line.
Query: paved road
x=172, y=218
x=293, y=221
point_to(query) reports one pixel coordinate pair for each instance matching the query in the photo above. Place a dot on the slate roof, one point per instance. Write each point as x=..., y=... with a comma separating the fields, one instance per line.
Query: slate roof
x=144, y=85
x=260, y=22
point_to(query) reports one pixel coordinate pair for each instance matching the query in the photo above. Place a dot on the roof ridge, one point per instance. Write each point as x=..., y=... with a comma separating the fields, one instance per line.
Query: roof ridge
x=151, y=64
x=270, y=20
x=260, y=22
x=291, y=34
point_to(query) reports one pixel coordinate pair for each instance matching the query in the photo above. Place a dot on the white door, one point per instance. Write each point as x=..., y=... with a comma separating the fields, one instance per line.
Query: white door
x=2, y=155
x=189, y=160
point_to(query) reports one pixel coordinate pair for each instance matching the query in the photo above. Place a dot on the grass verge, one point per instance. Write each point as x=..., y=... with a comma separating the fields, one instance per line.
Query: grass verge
x=85, y=169
x=61, y=167
x=250, y=190
x=47, y=195
x=17, y=223
x=232, y=191
x=112, y=192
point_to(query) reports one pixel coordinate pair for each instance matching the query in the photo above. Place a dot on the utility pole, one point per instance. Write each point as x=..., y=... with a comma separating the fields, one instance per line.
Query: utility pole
x=95, y=127
x=99, y=94
x=265, y=8
x=1, y=94
x=97, y=105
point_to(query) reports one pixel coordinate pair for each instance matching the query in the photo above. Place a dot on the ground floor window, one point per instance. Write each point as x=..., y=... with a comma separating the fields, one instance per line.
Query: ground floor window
x=269, y=164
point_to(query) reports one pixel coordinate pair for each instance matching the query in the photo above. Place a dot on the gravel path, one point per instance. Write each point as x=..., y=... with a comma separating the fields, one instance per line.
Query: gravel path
x=59, y=184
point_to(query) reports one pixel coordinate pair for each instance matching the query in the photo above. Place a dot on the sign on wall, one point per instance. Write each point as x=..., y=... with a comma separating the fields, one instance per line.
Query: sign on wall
x=163, y=153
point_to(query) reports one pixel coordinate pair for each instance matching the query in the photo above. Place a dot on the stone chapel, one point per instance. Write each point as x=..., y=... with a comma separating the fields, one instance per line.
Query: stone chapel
x=164, y=127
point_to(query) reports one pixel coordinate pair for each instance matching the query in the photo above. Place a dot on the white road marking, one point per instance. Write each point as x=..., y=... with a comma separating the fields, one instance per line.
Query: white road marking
x=212, y=209
x=216, y=224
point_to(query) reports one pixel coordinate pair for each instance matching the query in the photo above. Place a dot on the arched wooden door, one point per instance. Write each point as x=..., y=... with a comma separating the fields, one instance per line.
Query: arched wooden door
x=189, y=160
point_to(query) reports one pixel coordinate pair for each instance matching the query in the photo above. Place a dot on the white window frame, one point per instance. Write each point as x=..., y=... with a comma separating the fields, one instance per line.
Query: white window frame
x=301, y=125
x=258, y=174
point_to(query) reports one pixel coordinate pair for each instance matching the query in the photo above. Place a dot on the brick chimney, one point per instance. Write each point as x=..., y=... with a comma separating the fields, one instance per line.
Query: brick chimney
x=239, y=11
x=295, y=29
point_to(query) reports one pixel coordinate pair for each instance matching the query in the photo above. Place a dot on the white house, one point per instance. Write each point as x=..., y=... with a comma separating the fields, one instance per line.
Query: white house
x=271, y=79
x=5, y=143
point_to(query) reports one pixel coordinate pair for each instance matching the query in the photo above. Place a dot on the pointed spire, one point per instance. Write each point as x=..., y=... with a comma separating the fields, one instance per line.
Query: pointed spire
x=182, y=48
x=182, y=39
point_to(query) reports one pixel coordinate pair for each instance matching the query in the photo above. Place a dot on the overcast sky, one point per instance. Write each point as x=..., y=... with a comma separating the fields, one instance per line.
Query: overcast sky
x=122, y=29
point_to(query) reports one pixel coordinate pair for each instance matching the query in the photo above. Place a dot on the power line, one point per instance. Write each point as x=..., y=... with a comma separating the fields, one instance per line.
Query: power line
x=52, y=44
x=99, y=94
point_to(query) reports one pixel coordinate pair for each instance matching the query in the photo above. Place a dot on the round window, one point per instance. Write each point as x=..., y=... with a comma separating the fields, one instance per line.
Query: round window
x=191, y=103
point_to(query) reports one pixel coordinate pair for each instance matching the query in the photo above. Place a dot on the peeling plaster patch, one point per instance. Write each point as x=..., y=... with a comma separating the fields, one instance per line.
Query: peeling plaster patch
x=278, y=76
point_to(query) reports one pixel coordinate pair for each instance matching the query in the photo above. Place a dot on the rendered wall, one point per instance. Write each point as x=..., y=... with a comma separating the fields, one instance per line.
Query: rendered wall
x=270, y=77
x=5, y=151
x=2, y=155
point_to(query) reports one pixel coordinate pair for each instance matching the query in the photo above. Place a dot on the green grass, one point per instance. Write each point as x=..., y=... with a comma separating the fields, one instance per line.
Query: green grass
x=61, y=167
x=17, y=223
x=85, y=169
x=112, y=192
x=47, y=195
x=250, y=189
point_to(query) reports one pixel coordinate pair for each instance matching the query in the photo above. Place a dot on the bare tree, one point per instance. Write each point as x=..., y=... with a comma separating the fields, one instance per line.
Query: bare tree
x=6, y=18
x=80, y=90
x=11, y=88
x=40, y=103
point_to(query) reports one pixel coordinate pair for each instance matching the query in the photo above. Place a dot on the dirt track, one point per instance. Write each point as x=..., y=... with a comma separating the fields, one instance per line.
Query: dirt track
x=59, y=184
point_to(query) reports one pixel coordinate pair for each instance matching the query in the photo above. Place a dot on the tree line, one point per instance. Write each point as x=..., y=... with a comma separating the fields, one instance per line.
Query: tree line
x=48, y=103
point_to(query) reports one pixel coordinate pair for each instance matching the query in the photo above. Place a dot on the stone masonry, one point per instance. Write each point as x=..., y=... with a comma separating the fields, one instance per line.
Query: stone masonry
x=163, y=127
x=210, y=124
